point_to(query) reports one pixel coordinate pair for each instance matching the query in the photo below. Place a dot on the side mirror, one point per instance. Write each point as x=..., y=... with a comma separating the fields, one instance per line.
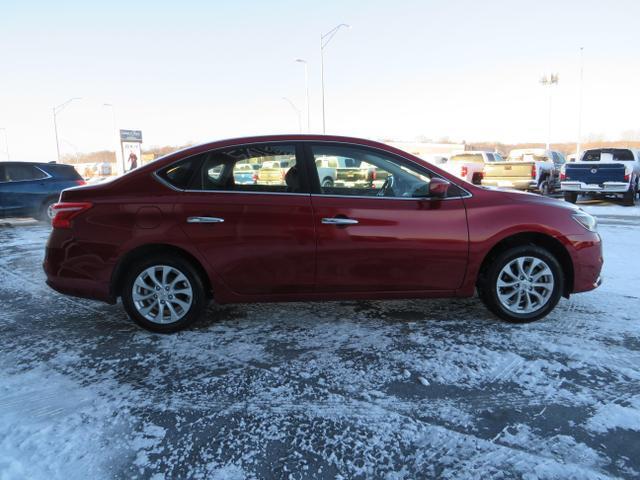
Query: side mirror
x=438, y=187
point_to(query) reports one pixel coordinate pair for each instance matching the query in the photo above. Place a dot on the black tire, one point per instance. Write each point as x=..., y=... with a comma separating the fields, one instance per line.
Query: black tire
x=629, y=198
x=327, y=182
x=487, y=283
x=544, y=188
x=199, y=299
x=571, y=197
x=43, y=214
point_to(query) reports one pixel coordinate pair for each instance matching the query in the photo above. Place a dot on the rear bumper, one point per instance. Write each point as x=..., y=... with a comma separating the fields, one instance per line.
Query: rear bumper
x=73, y=270
x=506, y=182
x=606, y=187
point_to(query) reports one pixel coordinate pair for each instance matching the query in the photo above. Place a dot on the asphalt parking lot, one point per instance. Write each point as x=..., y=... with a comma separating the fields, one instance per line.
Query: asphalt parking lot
x=395, y=389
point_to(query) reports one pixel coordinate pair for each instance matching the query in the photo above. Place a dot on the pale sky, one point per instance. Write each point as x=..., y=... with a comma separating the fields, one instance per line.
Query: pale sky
x=193, y=71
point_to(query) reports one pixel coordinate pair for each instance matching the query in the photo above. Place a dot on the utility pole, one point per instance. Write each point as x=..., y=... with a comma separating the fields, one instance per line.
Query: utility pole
x=324, y=41
x=549, y=82
x=6, y=143
x=306, y=87
x=57, y=110
x=578, y=144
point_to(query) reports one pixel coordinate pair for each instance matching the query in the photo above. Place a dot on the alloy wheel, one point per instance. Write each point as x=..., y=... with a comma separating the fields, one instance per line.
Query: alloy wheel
x=525, y=285
x=162, y=294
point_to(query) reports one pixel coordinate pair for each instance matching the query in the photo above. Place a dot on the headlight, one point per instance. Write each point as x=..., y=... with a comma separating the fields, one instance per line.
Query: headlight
x=587, y=221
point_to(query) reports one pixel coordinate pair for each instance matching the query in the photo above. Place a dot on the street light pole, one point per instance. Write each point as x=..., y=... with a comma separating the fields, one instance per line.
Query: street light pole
x=549, y=82
x=578, y=144
x=324, y=41
x=6, y=143
x=116, y=133
x=306, y=87
x=297, y=110
x=57, y=110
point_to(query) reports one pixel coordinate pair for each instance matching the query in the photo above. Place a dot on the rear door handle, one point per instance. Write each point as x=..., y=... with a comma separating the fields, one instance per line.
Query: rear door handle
x=339, y=221
x=205, y=220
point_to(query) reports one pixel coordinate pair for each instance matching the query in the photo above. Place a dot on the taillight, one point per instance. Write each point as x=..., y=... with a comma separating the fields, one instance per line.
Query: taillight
x=80, y=182
x=255, y=178
x=67, y=211
x=374, y=174
x=563, y=176
x=534, y=171
x=464, y=171
x=627, y=175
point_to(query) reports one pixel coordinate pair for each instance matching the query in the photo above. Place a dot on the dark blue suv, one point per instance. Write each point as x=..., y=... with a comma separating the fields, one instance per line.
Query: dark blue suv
x=30, y=189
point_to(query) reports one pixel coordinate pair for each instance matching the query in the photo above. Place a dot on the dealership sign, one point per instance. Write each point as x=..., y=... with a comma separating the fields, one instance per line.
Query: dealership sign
x=131, y=146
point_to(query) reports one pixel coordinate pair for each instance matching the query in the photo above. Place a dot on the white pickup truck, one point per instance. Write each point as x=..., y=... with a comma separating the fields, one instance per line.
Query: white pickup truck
x=607, y=171
x=532, y=169
x=470, y=165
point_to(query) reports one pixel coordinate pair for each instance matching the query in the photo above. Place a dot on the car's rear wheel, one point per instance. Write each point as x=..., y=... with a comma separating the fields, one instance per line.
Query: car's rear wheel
x=163, y=294
x=570, y=197
x=327, y=182
x=522, y=284
x=46, y=213
x=629, y=197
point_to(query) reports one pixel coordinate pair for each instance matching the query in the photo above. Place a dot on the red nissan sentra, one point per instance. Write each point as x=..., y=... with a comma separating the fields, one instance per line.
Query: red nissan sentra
x=311, y=217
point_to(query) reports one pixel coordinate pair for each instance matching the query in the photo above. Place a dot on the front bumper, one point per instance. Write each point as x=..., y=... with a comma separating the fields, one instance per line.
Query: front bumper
x=606, y=187
x=586, y=255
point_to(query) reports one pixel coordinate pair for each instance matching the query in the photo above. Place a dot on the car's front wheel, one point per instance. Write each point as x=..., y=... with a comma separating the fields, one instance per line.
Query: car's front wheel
x=163, y=294
x=522, y=284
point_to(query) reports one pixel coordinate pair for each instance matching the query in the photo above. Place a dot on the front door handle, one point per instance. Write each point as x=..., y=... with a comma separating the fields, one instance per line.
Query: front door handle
x=205, y=220
x=339, y=221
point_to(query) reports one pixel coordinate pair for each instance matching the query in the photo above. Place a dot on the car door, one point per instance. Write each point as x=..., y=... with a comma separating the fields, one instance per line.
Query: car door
x=3, y=191
x=23, y=189
x=259, y=238
x=381, y=236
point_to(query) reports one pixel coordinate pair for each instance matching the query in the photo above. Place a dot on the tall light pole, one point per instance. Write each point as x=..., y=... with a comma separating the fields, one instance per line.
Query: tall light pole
x=324, y=41
x=549, y=81
x=57, y=110
x=297, y=110
x=578, y=144
x=306, y=88
x=6, y=143
x=116, y=133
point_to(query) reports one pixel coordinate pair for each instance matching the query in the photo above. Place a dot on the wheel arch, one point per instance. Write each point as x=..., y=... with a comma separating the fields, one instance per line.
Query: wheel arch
x=553, y=245
x=143, y=251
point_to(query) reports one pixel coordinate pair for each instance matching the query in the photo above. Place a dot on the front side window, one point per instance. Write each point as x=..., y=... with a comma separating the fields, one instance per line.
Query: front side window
x=355, y=171
x=254, y=168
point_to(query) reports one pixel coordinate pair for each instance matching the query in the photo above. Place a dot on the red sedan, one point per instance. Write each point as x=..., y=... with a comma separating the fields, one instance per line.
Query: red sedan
x=381, y=223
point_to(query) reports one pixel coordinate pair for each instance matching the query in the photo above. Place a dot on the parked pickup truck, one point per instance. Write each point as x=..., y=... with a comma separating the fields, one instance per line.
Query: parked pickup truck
x=273, y=172
x=470, y=165
x=343, y=171
x=603, y=171
x=532, y=169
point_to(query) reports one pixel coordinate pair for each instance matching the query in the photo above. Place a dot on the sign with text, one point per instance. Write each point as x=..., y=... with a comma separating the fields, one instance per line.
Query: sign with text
x=131, y=135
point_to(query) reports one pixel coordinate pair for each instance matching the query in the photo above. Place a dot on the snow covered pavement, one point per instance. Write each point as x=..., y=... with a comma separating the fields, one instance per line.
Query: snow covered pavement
x=395, y=389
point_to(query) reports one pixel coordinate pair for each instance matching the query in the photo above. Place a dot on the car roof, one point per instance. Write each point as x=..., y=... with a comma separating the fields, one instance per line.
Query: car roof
x=35, y=164
x=204, y=147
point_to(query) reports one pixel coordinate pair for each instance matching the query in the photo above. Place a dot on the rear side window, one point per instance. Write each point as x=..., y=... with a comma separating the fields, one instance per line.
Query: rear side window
x=179, y=174
x=18, y=173
x=269, y=168
x=63, y=172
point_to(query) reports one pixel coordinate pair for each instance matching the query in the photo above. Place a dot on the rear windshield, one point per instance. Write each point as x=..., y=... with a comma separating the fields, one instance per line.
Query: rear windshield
x=615, y=154
x=468, y=157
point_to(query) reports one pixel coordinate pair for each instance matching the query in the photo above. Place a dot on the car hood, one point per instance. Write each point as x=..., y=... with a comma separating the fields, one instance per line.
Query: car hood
x=527, y=197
